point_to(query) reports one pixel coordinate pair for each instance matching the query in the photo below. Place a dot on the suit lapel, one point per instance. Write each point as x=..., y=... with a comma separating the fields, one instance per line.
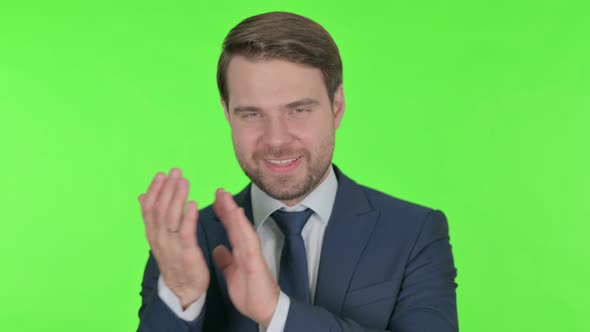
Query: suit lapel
x=349, y=228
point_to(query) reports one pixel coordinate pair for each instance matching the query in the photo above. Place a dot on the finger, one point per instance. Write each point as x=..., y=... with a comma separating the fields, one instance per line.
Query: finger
x=219, y=206
x=147, y=205
x=227, y=204
x=163, y=200
x=147, y=201
x=249, y=243
x=144, y=218
x=188, y=227
x=224, y=261
x=154, y=187
x=246, y=240
x=236, y=216
x=141, y=198
x=174, y=212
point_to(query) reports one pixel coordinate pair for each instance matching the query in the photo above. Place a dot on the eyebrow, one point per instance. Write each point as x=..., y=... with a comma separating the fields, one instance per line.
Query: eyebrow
x=303, y=102
x=294, y=104
x=239, y=109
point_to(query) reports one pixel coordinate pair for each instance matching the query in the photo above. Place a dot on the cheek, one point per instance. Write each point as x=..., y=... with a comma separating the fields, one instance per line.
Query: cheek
x=244, y=141
x=315, y=136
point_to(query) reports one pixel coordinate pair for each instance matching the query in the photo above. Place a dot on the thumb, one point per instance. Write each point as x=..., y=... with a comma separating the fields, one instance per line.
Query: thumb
x=224, y=260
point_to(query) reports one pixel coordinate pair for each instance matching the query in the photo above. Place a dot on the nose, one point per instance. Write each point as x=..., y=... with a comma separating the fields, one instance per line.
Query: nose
x=276, y=132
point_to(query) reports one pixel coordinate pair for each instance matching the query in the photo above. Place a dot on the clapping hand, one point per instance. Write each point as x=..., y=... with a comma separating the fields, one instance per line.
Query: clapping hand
x=252, y=288
x=171, y=232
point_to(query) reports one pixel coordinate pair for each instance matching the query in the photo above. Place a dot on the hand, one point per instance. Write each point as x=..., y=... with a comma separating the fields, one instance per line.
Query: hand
x=171, y=234
x=252, y=288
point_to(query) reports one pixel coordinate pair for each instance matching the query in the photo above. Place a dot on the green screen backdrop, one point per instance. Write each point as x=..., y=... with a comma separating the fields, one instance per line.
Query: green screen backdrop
x=478, y=108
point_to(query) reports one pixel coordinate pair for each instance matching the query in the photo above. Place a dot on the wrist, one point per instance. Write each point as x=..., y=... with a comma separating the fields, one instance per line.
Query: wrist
x=265, y=321
x=279, y=317
x=187, y=297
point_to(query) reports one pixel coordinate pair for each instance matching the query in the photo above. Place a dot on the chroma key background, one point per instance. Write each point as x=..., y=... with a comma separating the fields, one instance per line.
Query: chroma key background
x=478, y=108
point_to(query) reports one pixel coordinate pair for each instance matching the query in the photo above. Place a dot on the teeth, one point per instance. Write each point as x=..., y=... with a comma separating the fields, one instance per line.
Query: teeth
x=281, y=162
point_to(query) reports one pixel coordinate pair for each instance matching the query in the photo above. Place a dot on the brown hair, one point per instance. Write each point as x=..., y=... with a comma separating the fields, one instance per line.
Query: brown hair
x=282, y=36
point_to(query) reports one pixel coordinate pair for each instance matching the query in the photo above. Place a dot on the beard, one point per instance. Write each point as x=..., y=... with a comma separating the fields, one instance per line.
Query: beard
x=286, y=187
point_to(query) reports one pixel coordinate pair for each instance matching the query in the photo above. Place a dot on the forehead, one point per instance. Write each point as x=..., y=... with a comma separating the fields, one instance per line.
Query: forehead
x=269, y=83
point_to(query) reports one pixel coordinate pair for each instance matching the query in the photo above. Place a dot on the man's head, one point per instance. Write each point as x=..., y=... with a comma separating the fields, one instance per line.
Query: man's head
x=280, y=80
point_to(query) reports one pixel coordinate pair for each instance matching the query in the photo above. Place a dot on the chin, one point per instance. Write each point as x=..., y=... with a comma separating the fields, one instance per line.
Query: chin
x=285, y=195
x=282, y=190
x=285, y=186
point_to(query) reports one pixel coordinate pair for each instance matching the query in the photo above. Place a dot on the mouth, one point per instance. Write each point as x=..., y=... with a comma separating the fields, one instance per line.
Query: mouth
x=283, y=165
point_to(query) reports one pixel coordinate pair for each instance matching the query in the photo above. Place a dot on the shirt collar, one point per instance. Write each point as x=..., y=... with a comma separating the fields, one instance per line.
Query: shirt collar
x=320, y=200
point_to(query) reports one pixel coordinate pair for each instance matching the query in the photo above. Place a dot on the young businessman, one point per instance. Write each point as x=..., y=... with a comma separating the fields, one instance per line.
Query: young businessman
x=303, y=247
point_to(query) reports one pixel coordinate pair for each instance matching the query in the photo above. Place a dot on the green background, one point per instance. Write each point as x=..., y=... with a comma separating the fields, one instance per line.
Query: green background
x=478, y=108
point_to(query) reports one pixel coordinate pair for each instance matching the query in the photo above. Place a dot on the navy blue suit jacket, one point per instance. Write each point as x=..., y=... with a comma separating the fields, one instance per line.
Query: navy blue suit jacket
x=385, y=265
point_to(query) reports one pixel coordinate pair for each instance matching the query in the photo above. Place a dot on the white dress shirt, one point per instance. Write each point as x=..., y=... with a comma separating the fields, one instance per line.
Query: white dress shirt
x=321, y=201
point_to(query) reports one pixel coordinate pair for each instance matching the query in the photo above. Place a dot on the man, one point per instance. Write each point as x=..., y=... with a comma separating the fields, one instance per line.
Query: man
x=303, y=247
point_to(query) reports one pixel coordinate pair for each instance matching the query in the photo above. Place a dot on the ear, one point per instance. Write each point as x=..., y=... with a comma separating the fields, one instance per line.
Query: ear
x=225, y=110
x=338, y=106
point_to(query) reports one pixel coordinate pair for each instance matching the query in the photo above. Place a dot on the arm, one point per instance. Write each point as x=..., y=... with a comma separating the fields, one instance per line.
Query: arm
x=427, y=297
x=426, y=301
x=173, y=302
x=154, y=314
x=175, y=256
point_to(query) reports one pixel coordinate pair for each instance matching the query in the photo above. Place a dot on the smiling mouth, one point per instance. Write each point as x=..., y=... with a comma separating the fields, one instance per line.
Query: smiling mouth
x=282, y=161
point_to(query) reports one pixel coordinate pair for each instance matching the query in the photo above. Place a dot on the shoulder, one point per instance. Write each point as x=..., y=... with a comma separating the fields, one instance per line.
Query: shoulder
x=389, y=204
x=385, y=203
x=411, y=220
x=394, y=214
x=402, y=209
x=377, y=199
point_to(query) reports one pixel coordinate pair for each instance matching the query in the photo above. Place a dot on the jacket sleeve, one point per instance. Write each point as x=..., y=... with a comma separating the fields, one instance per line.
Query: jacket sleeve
x=427, y=299
x=154, y=314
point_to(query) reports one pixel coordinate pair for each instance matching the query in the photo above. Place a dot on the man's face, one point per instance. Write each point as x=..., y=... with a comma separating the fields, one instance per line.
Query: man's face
x=282, y=124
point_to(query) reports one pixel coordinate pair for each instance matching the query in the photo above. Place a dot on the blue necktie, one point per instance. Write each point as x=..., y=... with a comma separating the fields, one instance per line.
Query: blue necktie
x=293, y=277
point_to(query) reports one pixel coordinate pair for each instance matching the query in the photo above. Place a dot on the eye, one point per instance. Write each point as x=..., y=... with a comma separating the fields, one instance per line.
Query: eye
x=300, y=112
x=247, y=115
